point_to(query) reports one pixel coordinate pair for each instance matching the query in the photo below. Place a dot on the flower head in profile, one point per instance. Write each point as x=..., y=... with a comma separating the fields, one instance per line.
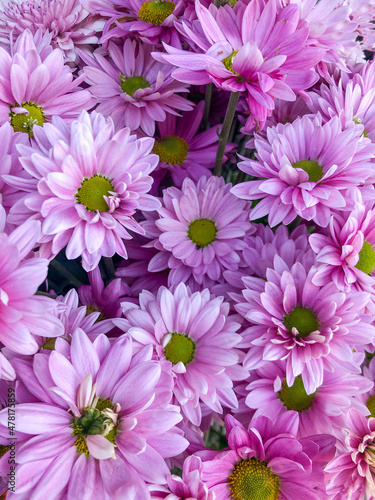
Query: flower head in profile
x=133, y=89
x=36, y=85
x=194, y=335
x=66, y=20
x=88, y=183
x=266, y=461
x=305, y=169
x=105, y=424
x=199, y=231
x=251, y=48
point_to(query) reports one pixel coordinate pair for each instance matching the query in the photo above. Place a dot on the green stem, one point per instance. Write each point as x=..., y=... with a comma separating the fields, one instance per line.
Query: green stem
x=45, y=294
x=224, y=134
x=207, y=106
x=109, y=268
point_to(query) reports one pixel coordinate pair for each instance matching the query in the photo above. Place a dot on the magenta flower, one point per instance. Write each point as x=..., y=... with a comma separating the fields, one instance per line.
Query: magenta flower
x=313, y=328
x=67, y=21
x=91, y=183
x=199, y=232
x=182, y=151
x=133, y=89
x=104, y=427
x=36, y=85
x=190, y=486
x=268, y=462
x=250, y=48
x=323, y=411
x=305, y=169
x=193, y=334
x=345, y=250
x=22, y=314
x=351, y=473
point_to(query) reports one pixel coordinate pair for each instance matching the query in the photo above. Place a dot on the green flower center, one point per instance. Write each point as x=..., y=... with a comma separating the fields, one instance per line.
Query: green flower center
x=253, y=480
x=295, y=397
x=370, y=403
x=312, y=168
x=180, y=348
x=94, y=421
x=4, y=449
x=171, y=149
x=202, y=232
x=228, y=62
x=366, y=262
x=92, y=191
x=25, y=123
x=50, y=344
x=156, y=11
x=133, y=83
x=303, y=320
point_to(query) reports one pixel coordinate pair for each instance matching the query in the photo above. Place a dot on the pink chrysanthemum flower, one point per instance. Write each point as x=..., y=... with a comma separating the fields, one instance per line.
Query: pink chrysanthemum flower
x=87, y=186
x=105, y=427
x=313, y=328
x=10, y=165
x=249, y=48
x=66, y=20
x=199, y=232
x=193, y=334
x=363, y=13
x=22, y=314
x=268, y=462
x=189, y=486
x=133, y=89
x=368, y=398
x=323, y=411
x=36, y=85
x=352, y=473
x=182, y=151
x=305, y=169
x=346, y=252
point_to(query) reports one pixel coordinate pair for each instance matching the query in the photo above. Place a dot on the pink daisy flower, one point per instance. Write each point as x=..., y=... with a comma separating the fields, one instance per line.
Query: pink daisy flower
x=250, y=48
x=22, y=314
x=87, y=186
x=182, y=151
x=345, y=250
x=36, y=85
x=66, y=20
x=105, y=427
x=323, y=411
x=199, y=232
x=312, y=328
x=133, y=89
x=351, y=473
x=305, y=169
x=194, y=335
x=268, y=462
x=189, y=486
x=368, y=398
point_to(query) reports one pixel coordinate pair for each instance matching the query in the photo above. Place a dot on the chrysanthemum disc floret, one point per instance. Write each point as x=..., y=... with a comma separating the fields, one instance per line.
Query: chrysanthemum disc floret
x=24, y=122
x=92, y=192
x=156, y=11
x=304, y=320
x=366, y=262
x=180, y=348
x=253, y=480
x=295, y=397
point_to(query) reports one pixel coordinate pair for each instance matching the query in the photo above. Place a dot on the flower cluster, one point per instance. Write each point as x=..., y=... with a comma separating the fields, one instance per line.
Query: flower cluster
x=187, y=250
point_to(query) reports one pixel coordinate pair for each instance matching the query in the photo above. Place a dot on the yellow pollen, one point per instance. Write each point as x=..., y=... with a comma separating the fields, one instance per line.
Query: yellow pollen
x=228, y=62
x=156, y=11
x=25, y=123
x=180, y=348
x=171, y=149
x=366, y=262
x=295, y=397
x=202, y=232
x=253, y=480
x=92, y=191
x=81, y=446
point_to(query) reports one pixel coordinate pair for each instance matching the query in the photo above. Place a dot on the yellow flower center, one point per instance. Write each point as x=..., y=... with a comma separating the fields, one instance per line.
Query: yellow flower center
x=366, y=262
x=171, y=149
x=91, y=308
x=25, y=123
x=202, y=232
x=92, y=191
x=303, y=320
x=133, y=83
x=253, y=480
x=156, y=11
x=180, y=348
x=312, y=168
x=295, y=397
